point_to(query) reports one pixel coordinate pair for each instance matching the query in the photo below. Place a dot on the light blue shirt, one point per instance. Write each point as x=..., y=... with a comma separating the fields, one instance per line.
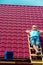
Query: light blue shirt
x=34, y=33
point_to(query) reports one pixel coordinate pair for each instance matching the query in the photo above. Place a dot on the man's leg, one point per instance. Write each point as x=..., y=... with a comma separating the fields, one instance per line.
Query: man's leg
x=33, y=44
x=35, y=48
x=38, y=43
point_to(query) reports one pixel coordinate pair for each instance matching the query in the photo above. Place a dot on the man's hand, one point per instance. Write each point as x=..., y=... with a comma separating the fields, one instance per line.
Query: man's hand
x=40, y=31
x=27, y=31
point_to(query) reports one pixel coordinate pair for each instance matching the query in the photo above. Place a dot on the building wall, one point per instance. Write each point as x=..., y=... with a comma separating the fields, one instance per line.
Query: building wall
x=14, y=21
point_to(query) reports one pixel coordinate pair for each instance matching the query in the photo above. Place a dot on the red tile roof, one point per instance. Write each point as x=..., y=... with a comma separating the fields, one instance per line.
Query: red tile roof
x=14, y=20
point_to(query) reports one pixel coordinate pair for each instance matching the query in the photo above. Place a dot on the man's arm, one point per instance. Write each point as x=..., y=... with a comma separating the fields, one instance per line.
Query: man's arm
x=40, y=31
x=28, y=31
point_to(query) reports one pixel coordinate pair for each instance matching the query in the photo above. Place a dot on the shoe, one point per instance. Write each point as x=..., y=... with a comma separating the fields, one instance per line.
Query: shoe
x=38, y=52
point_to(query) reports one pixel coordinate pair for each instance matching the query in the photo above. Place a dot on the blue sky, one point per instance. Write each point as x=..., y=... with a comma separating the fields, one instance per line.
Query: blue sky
x=23, y=2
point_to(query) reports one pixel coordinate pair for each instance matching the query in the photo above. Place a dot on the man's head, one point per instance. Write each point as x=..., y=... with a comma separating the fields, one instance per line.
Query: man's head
x=34, y=27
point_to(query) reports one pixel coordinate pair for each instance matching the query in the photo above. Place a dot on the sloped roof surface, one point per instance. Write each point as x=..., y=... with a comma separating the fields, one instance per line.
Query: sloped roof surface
x=14, y=21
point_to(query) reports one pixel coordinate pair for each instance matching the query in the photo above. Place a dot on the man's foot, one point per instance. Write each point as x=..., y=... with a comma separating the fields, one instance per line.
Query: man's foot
x=38, y=52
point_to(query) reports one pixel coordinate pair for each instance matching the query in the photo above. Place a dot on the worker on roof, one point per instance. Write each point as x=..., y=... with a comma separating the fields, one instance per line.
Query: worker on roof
x=34, y=36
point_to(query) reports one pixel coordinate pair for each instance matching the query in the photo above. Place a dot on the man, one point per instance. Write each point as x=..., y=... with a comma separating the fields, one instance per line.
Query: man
x=34, y=36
